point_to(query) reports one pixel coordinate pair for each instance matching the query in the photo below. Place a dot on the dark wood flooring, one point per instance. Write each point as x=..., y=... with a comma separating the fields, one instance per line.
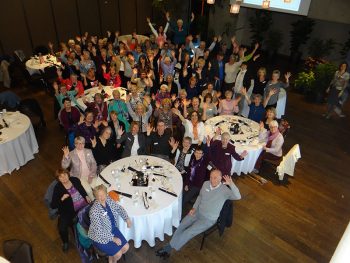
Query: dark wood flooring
x=301, y=221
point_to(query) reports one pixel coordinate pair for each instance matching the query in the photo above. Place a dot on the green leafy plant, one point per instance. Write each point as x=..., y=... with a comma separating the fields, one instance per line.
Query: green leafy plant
x=319, y=48
x=324, y=74
x=304, y=80
x=259, y=25
x=300, y=33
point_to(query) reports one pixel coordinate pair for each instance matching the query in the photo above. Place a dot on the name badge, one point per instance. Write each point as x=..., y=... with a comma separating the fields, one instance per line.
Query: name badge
x=104, y=213
x=227, y=153
x=129, y=139
x=207, y=190
x=155, y=143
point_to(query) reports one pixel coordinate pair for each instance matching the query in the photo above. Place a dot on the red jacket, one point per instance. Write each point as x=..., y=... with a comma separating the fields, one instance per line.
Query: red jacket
x=69, y=85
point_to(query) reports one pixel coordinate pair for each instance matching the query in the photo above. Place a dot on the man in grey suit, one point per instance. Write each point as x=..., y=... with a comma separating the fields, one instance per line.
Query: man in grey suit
x=205, y=211
x=134, y=142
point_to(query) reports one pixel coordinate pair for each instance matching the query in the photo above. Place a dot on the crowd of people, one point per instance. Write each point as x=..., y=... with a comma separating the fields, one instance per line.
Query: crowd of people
x=173, y=87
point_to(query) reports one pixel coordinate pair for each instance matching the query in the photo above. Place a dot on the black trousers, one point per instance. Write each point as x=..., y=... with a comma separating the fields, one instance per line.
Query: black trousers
x=64, y=222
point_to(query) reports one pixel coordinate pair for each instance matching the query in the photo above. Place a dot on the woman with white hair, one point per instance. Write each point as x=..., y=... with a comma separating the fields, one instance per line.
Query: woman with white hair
x=103, y=230
x=82, y=164
x=273, y=148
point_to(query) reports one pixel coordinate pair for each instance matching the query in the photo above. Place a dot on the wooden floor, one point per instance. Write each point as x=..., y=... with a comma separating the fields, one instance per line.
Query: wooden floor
x=300, y=222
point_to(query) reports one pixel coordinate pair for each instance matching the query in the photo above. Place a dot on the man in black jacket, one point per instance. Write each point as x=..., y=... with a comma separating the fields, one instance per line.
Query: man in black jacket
x=134, y=142
x=158, y=141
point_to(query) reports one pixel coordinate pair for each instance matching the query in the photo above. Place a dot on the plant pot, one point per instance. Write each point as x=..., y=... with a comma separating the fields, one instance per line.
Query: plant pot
x=314, y=97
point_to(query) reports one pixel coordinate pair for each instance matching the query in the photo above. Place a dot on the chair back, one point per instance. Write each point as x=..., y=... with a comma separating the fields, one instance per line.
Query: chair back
x=226, y=216
x=18, y=251
x=288, y=162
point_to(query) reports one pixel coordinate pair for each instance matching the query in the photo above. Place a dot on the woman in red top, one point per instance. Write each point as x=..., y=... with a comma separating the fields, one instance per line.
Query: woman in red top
x=112, y=77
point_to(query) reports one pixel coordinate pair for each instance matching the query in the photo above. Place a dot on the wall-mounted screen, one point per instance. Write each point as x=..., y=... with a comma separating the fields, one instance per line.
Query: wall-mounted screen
x=299, y=7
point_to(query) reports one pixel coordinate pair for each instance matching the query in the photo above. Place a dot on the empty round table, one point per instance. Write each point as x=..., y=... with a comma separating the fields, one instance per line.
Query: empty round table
x=164, y=210
x=18, y=143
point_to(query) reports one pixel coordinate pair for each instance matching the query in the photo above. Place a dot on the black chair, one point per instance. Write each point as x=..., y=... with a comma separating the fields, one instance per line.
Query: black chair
x=18, y=251
x=225, y=220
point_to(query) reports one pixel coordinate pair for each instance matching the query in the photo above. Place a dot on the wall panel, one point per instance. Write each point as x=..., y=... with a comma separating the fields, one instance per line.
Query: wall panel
x=127, y=16
x=13, y=32
x=144, y=9
x=66, y=19
x=109, y=15
x=89, y=16
x=40, y=21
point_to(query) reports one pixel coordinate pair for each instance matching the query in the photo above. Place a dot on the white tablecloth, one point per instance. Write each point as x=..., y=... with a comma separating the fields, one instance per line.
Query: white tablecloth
x=165, y=210
x=33, y=65
x=246, y=139
x=90, y=93
x=18, y=143
x=281, y=103
x=140, y=38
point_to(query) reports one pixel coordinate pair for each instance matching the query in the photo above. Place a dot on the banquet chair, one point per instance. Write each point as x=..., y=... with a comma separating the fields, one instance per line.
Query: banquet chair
x=87, y=251
x=225, y=220
x=18, y=251
x=287, y=165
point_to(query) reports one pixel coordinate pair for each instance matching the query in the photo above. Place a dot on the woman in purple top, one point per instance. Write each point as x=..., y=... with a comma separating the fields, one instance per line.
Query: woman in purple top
x=69, y=197
x=88, y=129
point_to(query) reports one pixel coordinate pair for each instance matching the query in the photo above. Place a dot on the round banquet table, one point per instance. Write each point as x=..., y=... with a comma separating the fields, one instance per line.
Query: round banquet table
x=165, y=209
x=18, y=143
x=140, y=38
x=90, y=93
x=33, y=65
x=247, y=139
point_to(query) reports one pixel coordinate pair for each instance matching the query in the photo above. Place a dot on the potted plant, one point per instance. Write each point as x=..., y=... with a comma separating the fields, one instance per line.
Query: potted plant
x=304, y=80
x=323, y=74
x=300, y=33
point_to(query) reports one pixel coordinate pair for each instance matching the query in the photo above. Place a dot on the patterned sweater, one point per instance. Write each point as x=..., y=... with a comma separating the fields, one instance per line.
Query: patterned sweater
x=100, y=229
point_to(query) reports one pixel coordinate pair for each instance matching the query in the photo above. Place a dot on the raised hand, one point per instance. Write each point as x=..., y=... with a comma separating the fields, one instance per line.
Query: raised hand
x=148, y=20
x=50, y=45
x=157, y=104
x=93, y=142
x=177, y=104
x=167, y=15
x=219, y=38
x=256, y=46
x=120, y=131
x=208, y=140
x=55, y=86
x=109, y=33
x=149, y=129
x=272, y=92
x=287, y=75
x=104, y=68
x=244, y=91
x=228, y=180
x=65, y=150
x=96, y=124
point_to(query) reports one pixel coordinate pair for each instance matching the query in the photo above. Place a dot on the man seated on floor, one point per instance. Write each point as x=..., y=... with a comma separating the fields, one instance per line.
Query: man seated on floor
x=205, y=211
